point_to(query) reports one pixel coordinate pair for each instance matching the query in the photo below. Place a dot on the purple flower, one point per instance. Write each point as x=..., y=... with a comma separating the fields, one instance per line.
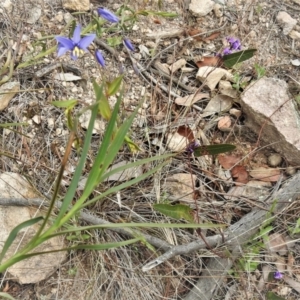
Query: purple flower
x=76, y=44
x=278, y=275
x=100, y=58
x=227, y=51
x=107, y=15
x=192, y=146
x=234, y=43
x=129, y=45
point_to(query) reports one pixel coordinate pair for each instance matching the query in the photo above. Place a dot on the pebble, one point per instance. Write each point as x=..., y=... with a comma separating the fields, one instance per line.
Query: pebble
x=274, y=160
x=290, y=171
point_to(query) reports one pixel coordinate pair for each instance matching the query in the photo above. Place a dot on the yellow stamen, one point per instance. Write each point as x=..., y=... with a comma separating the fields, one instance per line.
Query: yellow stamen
x=77, y=52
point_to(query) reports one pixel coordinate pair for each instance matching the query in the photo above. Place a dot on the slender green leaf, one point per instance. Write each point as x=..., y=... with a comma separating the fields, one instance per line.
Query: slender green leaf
x=6, y=296
x=131, y=145
x=4, y=125
x=158, y=13
x=126, y=184
x=137, y=225
x=76, y=177
x=231, y=59
x=135, y=164
x=114, y=86
x=213, y=149
x=105, y=246
x=14, y=233
x=177, y=211
x=35, y=59
x=273, y=296
x=104, y=108
x=102, y=155
x=65, y=104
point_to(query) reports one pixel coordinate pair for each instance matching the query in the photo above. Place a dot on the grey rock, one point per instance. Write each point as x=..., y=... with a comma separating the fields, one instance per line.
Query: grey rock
x=201, y=8
x=268, y=104
x=36, y=268
x=286, y=22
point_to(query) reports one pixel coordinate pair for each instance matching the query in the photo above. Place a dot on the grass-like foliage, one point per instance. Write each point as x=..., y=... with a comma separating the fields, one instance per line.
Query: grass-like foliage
x=114, y=138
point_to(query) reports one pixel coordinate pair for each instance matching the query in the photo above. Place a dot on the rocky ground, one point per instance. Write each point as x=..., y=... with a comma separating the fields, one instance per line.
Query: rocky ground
x=188, y=95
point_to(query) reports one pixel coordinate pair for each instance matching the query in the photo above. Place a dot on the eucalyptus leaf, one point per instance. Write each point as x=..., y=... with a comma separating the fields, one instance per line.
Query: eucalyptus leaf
x=231, y=59
x=213, y=149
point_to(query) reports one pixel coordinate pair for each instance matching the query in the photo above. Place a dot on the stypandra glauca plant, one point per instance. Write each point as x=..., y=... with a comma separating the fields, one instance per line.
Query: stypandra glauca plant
x=115, y=136
x=113, y=139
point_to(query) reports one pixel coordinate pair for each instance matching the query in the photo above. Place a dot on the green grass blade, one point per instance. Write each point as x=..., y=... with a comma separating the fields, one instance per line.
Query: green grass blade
x=14, y=233
x=6, y=296
x=125, y=184
x=138, y=225
x=93, y=178
x=117, y=142
x=104, y=246
x=135, y=164
x=78, y=171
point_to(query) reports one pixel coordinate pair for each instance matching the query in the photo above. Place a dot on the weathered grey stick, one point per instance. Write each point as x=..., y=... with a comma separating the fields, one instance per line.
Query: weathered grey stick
x=89, y=218
x=237, y=235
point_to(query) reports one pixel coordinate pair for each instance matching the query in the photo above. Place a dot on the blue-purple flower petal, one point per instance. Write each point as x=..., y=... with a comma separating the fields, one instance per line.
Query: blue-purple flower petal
x=86, y=41
x=76, y=34
x=65, y=42
x=61, y=50
x=129, y=45
x=227, y=51
x=278, y=275
x=100, y=58
x=107, y=15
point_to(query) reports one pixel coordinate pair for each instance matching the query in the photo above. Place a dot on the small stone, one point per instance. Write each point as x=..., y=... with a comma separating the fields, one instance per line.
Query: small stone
x=218, y=10
x=59, y=17
x=201, y=8
x=6, y=6
x=34, y=15
x=36, y=119
x=51, y=122
x=77, y=5
x=7, y=92
x=286, y=21
x=68, y=17
x=274, y=160
x=235, y=112
x=224, y=124
x=290, y=171
x=295, y=35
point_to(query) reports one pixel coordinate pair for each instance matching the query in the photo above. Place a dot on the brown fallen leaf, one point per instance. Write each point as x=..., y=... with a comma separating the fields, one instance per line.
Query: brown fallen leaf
x=192, y=32
x=228, y=161
x=265, y=174
x=239, y=174
x=212, y=36
x=186, y=132
x=213, y=61
x=224, y=123
x=191, y=99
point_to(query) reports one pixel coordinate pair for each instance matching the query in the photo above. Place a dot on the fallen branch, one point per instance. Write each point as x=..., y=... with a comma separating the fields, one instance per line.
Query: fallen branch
x=212, y=278
x=89, y=218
